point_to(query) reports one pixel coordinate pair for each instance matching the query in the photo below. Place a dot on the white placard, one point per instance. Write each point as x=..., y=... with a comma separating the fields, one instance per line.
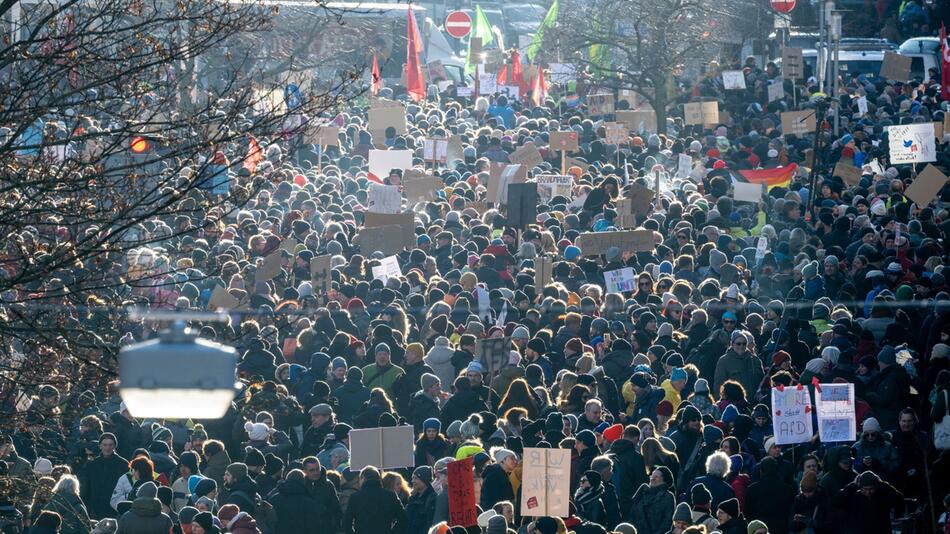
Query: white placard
x=510, y=90
x=620, y=280
x=761, y=248
x=465, y=92
x=791, y=415
x=388, y=268
x=733, y=79
x=487, y=84
x=863, y=106
x=836, y=420
x=684, y=166
x=383, y=198
x=552, y=185
x=435, y=149
x=776, y=90
x=912, y=143
x=743, y=192
x=546, y=482
x=383, y=161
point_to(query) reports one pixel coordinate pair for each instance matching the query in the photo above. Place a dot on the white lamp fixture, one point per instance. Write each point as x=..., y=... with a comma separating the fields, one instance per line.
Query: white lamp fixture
x=178, y=376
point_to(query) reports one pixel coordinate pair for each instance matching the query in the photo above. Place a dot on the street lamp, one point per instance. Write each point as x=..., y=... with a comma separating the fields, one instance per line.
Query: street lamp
x=177, y=376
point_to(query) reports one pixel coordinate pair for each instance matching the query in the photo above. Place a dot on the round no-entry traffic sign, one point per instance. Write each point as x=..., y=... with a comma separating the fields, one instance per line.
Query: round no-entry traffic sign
x=783, y=6
x=458, y=24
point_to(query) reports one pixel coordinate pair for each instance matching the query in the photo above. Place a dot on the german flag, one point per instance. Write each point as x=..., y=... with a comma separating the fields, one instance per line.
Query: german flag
x=778, y=177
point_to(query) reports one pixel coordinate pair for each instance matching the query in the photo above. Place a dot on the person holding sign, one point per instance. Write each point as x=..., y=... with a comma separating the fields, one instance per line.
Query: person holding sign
x=373, y=509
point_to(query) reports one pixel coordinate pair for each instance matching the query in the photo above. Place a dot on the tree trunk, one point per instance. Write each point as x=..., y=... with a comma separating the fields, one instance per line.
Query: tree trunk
x=660, y=99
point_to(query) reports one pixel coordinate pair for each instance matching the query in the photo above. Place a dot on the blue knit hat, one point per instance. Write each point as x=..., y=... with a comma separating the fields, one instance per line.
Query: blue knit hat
x=432, y=422
x=572, y=253
x=678, y=373
x=382, y=347
x=730, y=414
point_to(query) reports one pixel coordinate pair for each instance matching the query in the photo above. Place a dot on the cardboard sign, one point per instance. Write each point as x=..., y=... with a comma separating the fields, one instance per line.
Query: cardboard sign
x=321, y=276
x=946, y=124
x=385, y=448
x=381, y=118
x=733, y=80
x=222, y=299
x=896, y=67
x=574, y=162
x=289, y=244
x=492, y=353
x=626, y=218
x=404, y=222
x=543, y=271
x=383, y=198
x=776, y=90
x=615, y=133
x=596, y=243
x=269, y=268
x=435, y=150
x=475, y=50
x=849, y=173
x=836, y=418
x=528, y=155
x=926, y=186
x=499, y=178
x=798, y=122
x=383, y=161
x=793, y=63
x=546, y=482
x=620, y=280
x=522, y=204
x=703, y=113
x=385, y=239
x=743, y=192
x=462, y=500
x=421, y=189
x=638, y=121
x=464, y=92
x=598, y=105
x=912, y=143
x=563, y=141
x=791, y=415
x=388, y=268
x=553, y=185
x=642, y=198
x=323, y=135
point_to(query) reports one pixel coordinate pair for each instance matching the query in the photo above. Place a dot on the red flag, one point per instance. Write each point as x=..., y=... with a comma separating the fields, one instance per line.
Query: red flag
x=539, y=90
x=377, y=79
x=502, y=77
x=254, y=155
x=944, y=64
x=517, y=75
x=415, y=83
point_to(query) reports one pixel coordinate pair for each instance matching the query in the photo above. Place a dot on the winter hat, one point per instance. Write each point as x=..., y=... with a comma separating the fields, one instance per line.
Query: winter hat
x=482, y=519
x=755, y=525
x=470, y=428
x=712, y=434
x=871, y=425
x=690, y=414
x=546, y=525
x=187, y=514
x=683, y=513
x=382, y=347
x=502, y=454
x=497, y=525
x=256, y=431
x=940, y=351
x=432, y=422
x=613, y=433
x=227, y=513
x=423, y=473
x=678, y=373
x=729, y=414
x=454, y=430
x=587, y=438
x=520, y=332
x=206, y=521
x=238, y=470
x=887, y=356
x=107, y=525
x=189, y=459
x=815, y=365
x=769, y=443
x=428, y=380
x=538, y=345
x=626, y=528
x=809, y=480
x=254, y=457
x=730, y=507
x=664, y=408
x=701, y=386
x=868, y=478
x=593, y=477
x=700, y=494
x=337, y=363
x=43, y=467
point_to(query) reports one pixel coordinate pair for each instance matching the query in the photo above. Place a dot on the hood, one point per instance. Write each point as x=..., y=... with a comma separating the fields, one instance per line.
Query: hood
x=439, y=355
x=292, y=487
x=147, y=507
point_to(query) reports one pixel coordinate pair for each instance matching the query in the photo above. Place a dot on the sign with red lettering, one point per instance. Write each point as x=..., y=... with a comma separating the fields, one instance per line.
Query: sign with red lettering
x=462, y=509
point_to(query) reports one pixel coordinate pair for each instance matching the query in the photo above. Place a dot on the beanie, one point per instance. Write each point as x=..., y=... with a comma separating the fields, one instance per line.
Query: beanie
x=700, y=495
x=587, y=438
x=809, y=480
x=253, y=457
x=187, y=514
x=497, y=525
x=190, y=460
x=257, y=431
x=730, y=507
x=147, y=491
x=683, y=513
x=206, y=520
x=613, y=433
x=227, y=513
x=238, y=470
x=432, y=422
x=423, y=473
x=756, y=525
x=204, y=487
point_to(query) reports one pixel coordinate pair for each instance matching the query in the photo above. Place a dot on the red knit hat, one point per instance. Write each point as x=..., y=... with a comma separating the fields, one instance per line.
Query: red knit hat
x=665, y=407
x=613, y=433
x=779, y=357
x=228, y=512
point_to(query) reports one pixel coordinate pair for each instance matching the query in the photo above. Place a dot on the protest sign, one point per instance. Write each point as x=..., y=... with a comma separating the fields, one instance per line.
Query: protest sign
x=776, y=90
x=435, y=150
x=383, y=198
x=222, y=299
x=626, y=218
x=436, y=71
x=388, y=268
x=422, y=188
x=462, y=500
x=385, y=116
x=633, y=98
x=554, y=185
x=684, y=165
x=492, y=353
x=465, y=92
x=522, y=204
x=289, y=244
x=383, y=161
x=938, y=131
x=912, y=143
x=615, y=133
x=849, y=173
x=499, y=177
x=798, y=122
x=595, y=243
x=791, y=415
x=574, y=162
x=896, y=67
x=642, y=198
x=528, y=155
x=761, y=248
x=792, y=63
x=836, y=419
x=321, y=276
x=385, y=239
x=703, y=113
x=733, y=79
x=487, y=84
x=269, y=268
x=638, y=121
x=743, y=192
x=620, y=280
x=511, y=91
x=926, y=186
x=563, y=140
x=602, y=104
x=546, y=482
x=475, y=50
x=404, y=222
x=322, y=134
x=543, y=270
x=384, y=448
x=863, y=106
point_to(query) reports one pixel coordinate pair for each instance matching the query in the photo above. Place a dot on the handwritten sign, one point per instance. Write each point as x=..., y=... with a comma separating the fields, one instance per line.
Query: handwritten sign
x=743, y=192
x=704, y=113
x=321, y=276
x=836, y=418
x=554, y=185
x=546, y=482
x=791, y=415
x=615, y=133
x=620, y=280
x=733, y=79
x=543, y=271
x=462, y=498
x=595, y=243
x=435, y=149
x=776, y=90
x=638, y=121
x=602, y=104
x=492, y=353
x=269, y=268
x=792, y=63
x=388, y=268
x=404, y=222
x=528, y=155
x=912, y=143
x=798, y=122
x=896, y=67
x=563, y=141
x=926, y=186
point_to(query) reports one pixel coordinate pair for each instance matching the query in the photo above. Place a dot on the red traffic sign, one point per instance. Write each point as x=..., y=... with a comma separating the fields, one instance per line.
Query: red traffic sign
x=783, y=6
x=458, y=24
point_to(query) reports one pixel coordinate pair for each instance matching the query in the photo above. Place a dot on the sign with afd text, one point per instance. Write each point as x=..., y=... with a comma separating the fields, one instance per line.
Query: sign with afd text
x=791, y=415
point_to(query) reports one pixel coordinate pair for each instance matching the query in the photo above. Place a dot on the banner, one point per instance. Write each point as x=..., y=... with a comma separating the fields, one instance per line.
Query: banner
x=791, y=415
x=461, y=490
x=384, y=448
x=554, y=185
x=546, y=482
x=912, y=143
x=836, y=419
x=620, y=280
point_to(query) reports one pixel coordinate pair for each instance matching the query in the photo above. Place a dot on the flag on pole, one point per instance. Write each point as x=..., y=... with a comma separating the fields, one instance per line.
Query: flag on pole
x=539, y=89
x=481, y=29
x=550, y=20
x=777, y=177
x=415, y=83
x=517, y=74
x=944, y=64
x=377, y=79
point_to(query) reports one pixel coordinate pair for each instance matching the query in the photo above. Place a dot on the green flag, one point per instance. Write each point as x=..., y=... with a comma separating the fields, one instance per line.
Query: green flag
x=549, y=21
x=597, y=53
x=481, y=29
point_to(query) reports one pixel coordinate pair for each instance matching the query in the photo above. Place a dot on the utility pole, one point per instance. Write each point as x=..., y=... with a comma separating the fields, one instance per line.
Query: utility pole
x=835, y=33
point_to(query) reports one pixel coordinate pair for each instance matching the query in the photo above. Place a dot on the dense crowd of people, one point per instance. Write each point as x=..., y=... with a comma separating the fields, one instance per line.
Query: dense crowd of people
x=662, y=393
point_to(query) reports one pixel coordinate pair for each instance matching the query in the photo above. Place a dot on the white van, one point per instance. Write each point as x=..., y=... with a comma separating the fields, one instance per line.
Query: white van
x=925, y=55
